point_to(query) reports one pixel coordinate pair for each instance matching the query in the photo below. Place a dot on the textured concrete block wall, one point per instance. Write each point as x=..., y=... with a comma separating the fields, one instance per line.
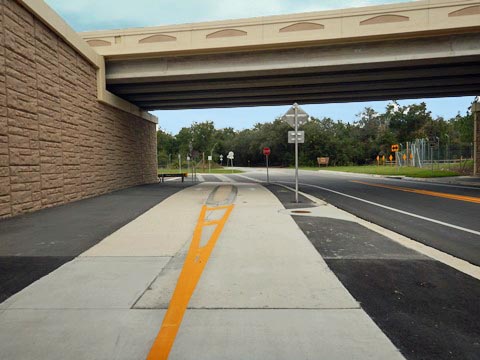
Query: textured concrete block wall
x=57, y=142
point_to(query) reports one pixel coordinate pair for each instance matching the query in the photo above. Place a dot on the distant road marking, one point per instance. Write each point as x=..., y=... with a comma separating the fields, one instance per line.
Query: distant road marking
x=197, y=258
x=389, y=208
x=428, y=183
x=423, y=192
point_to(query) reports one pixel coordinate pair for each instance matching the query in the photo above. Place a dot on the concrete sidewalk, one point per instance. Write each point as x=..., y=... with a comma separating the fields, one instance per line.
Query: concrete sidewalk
x=265, y=293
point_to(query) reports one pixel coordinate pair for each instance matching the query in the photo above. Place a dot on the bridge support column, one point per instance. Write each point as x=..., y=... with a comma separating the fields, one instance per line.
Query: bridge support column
x=476, y=138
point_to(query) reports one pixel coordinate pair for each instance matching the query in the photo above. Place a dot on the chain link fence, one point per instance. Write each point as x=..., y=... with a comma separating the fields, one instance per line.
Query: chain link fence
x=435, y=153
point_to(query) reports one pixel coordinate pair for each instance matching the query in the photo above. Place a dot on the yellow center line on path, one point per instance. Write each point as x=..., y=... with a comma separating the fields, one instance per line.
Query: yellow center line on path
x=424, y=192
x=195, y=261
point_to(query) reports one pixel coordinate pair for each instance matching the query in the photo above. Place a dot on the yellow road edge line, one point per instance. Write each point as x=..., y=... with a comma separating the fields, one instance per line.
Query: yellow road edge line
x=424, y=192
x=195, y=261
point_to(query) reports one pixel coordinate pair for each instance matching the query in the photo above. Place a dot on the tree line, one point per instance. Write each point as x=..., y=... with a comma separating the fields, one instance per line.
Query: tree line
x=345, y=143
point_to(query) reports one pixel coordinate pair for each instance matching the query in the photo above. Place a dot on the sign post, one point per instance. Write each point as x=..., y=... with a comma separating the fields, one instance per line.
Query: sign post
x=394, y=149
x=296, y=117
x=210, y=163
x=230, y=157
x=266, y=152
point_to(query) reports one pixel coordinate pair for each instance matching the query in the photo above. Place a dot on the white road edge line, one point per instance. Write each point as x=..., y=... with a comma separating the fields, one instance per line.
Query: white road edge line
x=390, y=208
x=447, y=259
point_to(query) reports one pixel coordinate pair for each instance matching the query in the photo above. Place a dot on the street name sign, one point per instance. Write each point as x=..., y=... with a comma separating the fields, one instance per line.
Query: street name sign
x=300, y=137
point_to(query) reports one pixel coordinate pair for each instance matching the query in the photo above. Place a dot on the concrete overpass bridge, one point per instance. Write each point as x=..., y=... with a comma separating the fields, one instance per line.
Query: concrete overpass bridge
x=408, y=50
x=74, y=118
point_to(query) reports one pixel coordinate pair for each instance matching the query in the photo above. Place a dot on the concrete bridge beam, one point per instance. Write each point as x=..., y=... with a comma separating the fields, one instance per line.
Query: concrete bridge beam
x=408, y=68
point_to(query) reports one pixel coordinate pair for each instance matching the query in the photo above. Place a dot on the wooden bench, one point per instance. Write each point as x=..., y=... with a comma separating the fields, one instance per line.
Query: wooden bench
x=164, y=175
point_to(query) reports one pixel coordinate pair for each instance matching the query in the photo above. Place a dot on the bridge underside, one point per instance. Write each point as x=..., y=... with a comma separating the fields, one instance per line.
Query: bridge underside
x=430, y=67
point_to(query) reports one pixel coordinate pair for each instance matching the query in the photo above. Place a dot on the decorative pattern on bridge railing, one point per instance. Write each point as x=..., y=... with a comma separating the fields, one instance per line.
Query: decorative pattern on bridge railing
x=302, y=26
x=385, y=21
x=226, y=33
x=157, y=38
x=471, y=10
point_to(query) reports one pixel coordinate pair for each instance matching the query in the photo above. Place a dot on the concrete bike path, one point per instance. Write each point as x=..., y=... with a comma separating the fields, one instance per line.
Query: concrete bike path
x=265, y=293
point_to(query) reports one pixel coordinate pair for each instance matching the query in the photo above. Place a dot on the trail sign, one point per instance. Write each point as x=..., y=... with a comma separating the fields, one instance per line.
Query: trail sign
x=289, y=117
x=323, y=160
x=230, y=157
x=395, y=147
x=295, y=117
x=300, y=137
x=266, y=152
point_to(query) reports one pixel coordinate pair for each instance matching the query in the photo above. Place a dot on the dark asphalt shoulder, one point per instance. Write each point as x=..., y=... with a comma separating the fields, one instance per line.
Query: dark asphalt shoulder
x=33, y=245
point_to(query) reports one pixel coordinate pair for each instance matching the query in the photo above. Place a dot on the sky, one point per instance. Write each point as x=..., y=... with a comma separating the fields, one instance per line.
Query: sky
x=86, y=15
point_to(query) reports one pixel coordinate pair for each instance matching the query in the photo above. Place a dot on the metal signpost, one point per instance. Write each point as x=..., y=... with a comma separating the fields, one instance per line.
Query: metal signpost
x=210, y=163
x=266, y=152
x=394, y=149
x=221, y=160
x=296, y=117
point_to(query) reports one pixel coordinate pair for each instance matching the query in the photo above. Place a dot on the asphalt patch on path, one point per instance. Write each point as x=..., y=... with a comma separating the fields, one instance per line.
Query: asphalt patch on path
x=427, y=309
x=33, y=245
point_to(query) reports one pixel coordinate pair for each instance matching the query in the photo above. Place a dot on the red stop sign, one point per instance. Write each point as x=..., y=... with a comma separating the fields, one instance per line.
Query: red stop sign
x=266, y=151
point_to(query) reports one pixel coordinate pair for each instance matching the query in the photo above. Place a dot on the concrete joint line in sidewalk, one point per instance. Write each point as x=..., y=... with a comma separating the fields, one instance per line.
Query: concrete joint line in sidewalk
x=447, y=259
x=195, y=262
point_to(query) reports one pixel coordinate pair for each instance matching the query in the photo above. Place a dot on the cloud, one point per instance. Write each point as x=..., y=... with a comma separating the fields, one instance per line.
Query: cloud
x=85, y=15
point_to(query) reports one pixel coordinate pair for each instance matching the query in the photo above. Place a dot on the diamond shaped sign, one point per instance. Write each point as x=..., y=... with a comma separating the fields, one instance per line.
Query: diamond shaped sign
x=289, y=117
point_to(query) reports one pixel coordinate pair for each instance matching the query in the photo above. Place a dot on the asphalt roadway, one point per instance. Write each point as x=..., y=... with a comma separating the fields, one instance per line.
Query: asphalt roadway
x=443, y=216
